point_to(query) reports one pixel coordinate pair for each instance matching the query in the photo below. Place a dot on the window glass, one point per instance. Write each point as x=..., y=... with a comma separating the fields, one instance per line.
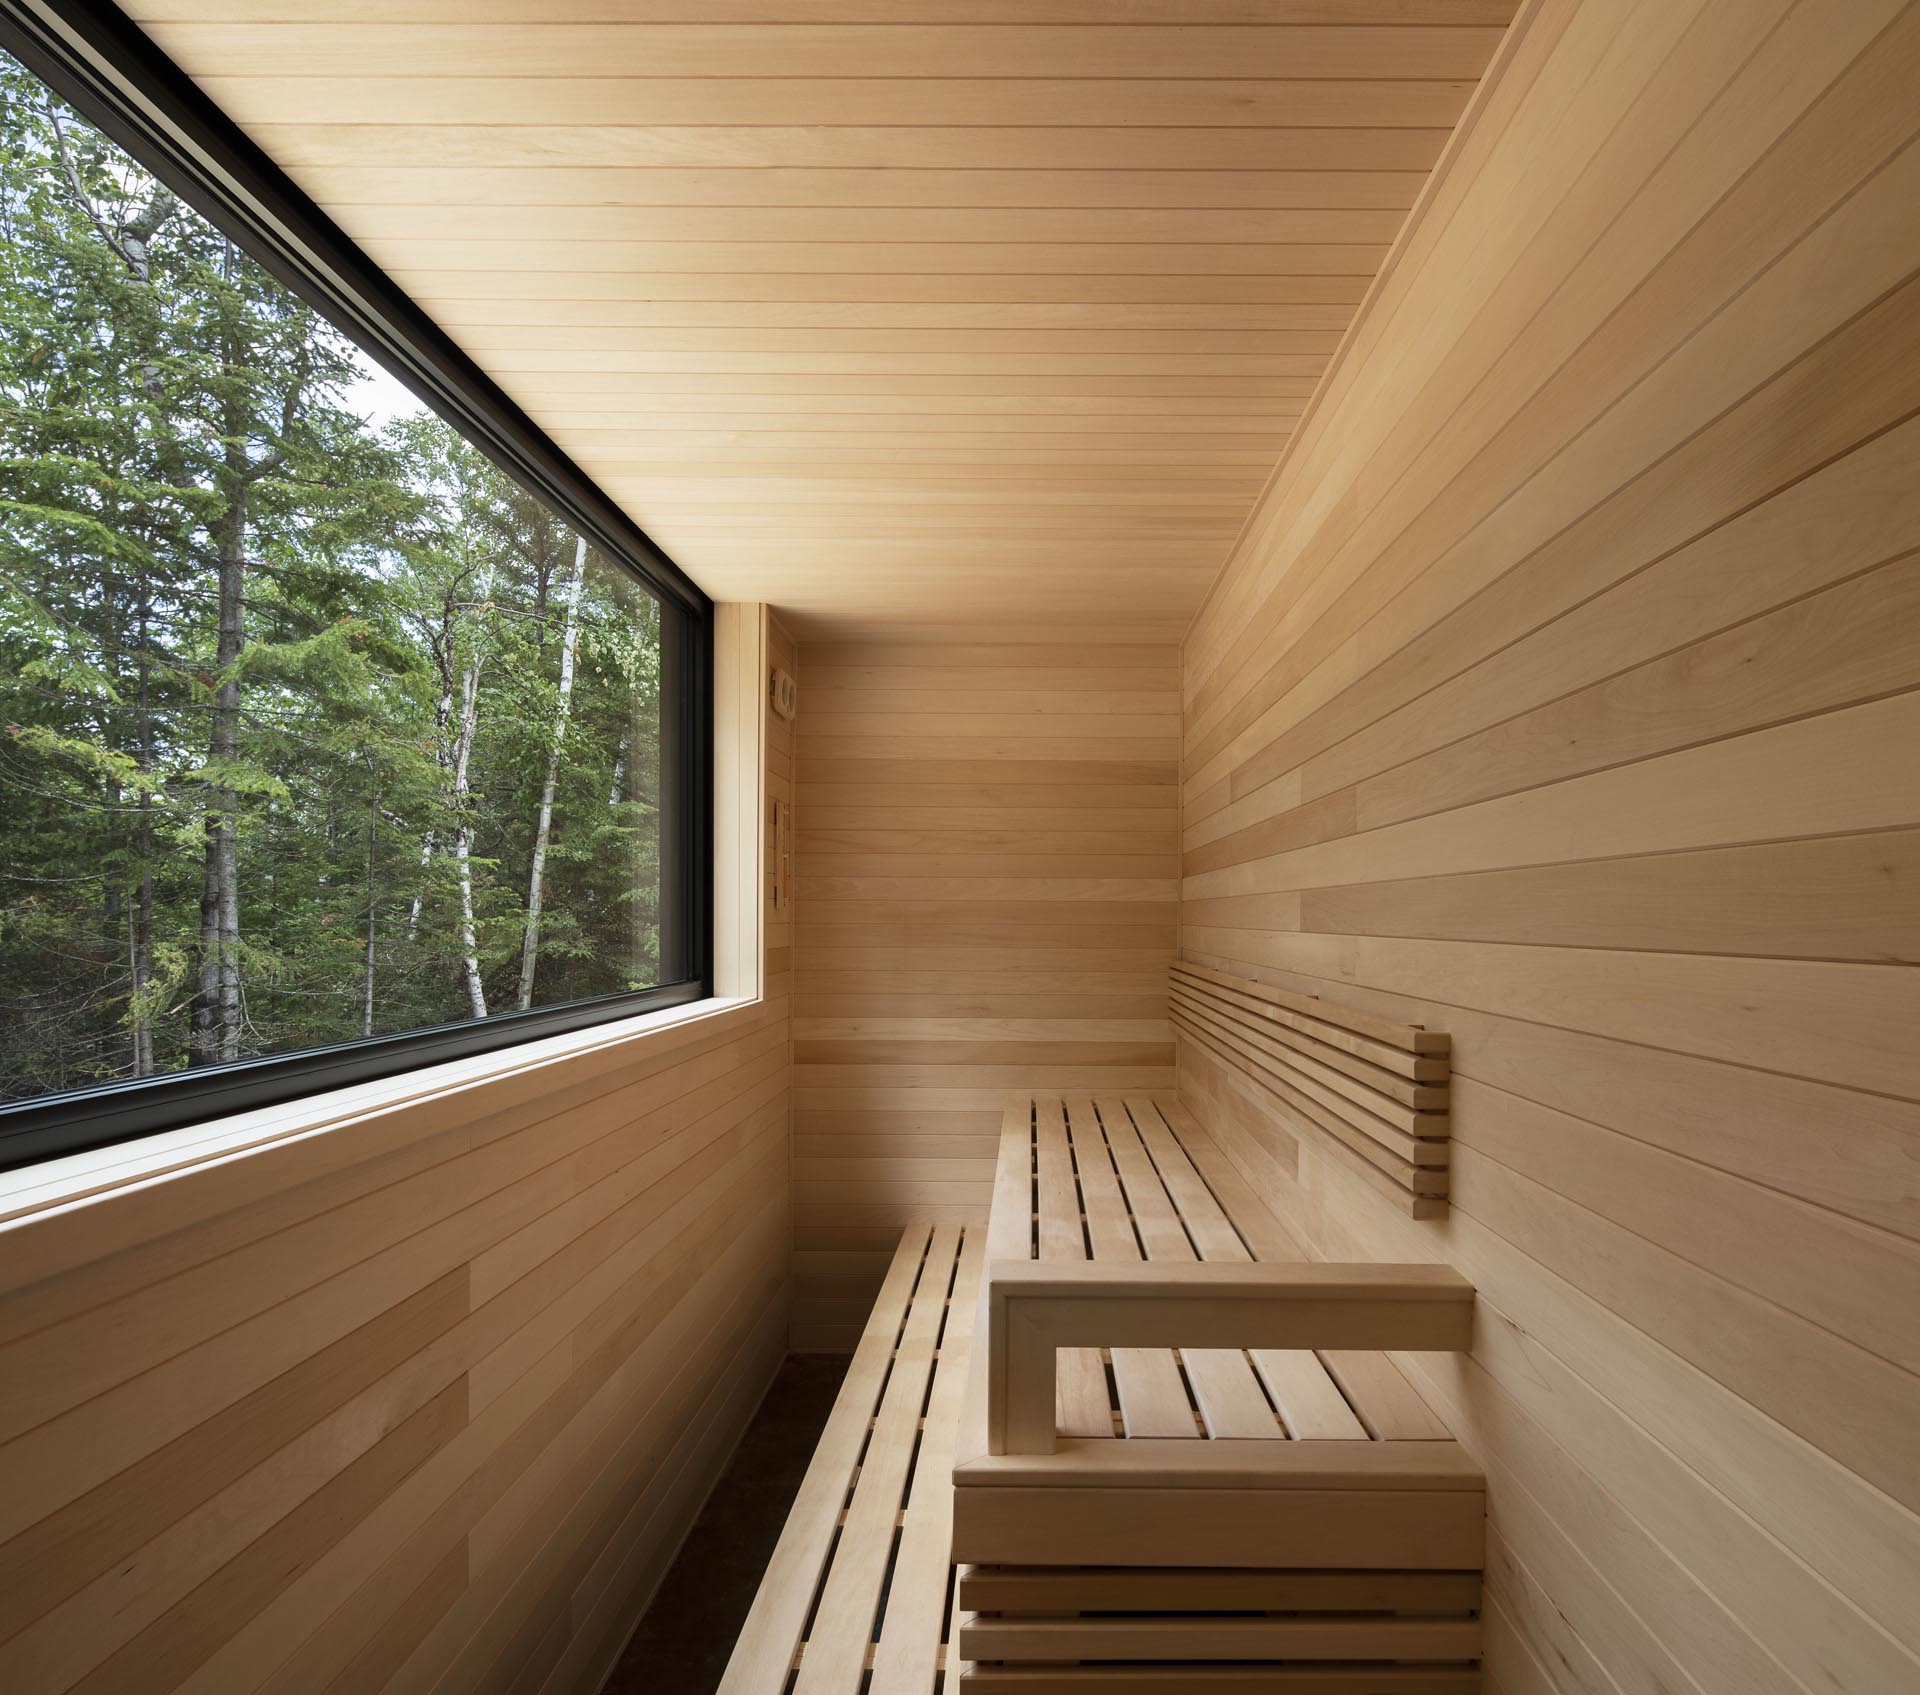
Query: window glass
x=314, y=725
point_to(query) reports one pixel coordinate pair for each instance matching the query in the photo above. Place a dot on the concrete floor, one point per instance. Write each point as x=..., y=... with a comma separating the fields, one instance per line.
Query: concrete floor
x=682, y=1644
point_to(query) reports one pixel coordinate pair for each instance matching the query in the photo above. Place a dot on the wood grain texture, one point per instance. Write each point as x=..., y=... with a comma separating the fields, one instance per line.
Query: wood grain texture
x=1036, y=1309
x=1368, y=1092
x=1145, y=1182
x=987, y=850
x=812, y=196
x=1072, y=1531
x=413, y=1387
x=856, y=1593
x=1558, y=695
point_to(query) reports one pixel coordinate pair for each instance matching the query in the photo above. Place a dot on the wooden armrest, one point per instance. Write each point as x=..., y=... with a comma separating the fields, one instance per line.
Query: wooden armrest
x=1035, y=1307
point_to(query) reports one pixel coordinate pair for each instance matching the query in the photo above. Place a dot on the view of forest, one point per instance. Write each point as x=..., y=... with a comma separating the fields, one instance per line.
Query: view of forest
x=313, y=724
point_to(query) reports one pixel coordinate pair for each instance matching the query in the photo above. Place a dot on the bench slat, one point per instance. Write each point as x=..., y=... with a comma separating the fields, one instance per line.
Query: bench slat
x=1082, y=1404
x=1391, y=1406
x=1219, y=1680
x=1290, y=1639
x=1307, y=1396
x=1010, y=1223
x=1202, y=1589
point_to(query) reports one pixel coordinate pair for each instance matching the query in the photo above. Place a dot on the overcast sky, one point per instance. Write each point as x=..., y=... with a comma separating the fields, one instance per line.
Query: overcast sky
x=381, y=397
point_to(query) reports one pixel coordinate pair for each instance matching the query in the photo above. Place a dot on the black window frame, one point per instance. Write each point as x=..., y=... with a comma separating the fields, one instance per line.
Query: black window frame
x=97, y=60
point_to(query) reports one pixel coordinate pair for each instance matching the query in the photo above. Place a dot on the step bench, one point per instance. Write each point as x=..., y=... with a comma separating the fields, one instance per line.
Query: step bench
x=1213, y=1505
x=862, y=1578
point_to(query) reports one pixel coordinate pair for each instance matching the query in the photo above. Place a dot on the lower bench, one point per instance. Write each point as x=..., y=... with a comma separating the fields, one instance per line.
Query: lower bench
x=861, y=1583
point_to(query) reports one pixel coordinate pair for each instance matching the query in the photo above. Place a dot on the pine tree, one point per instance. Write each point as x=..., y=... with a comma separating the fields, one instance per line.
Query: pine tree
x=309, y=729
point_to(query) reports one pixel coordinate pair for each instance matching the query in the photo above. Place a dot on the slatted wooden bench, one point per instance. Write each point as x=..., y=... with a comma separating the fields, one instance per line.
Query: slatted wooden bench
x=1329, y=1534
x=1227, y=1486
x=857, y=1597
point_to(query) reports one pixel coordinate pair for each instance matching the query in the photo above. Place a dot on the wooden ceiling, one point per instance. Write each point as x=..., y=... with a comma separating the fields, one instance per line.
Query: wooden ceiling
x=910, y=316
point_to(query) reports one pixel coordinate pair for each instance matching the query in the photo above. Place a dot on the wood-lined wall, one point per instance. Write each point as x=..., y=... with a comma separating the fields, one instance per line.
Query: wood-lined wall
x=1562, y=695
x=986, y=882
x=421, y=1399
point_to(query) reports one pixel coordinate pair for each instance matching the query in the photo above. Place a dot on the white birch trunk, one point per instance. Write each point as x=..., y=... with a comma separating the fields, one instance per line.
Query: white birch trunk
x=463, y=835
x=443, y=712
x=373, y=897
x=536, y=876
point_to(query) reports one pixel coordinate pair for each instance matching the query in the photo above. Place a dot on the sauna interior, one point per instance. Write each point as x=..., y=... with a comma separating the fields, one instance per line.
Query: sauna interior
x=896, y=847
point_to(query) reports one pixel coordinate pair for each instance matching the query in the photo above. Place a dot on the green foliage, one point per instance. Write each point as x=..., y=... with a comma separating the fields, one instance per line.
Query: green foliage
x=233, y=607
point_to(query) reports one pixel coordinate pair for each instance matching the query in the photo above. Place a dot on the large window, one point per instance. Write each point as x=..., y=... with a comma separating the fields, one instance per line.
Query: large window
x=334, y=738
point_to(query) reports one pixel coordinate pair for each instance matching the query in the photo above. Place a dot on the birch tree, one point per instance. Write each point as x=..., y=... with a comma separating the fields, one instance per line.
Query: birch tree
x=536, y=876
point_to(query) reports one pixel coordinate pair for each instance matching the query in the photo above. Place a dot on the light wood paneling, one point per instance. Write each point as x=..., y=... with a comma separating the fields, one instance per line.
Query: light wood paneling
x=780, y=790
x=742, y=656
x=1560, y=694
x=905, y=317
x=431, y=1406
x=412, y=1387
x=986, y=874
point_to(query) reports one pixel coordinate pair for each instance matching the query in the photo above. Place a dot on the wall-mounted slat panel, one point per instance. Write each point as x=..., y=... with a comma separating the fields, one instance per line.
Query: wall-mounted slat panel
x=1368, y=1090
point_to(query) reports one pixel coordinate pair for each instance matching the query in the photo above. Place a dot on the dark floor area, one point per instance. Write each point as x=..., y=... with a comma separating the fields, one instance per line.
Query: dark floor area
x=682, y=1644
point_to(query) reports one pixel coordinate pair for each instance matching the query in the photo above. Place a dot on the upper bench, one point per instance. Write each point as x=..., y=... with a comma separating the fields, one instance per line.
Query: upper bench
x=1119, y=1222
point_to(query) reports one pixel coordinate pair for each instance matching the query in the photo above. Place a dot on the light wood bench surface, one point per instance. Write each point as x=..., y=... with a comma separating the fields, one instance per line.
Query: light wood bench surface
x=1137, y=1178
x=1340, y=1520
x=1257, y=1509
x=862, y=1578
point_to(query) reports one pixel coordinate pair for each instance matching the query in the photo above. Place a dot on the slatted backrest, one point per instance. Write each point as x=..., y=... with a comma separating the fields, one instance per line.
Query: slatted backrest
x=1374, y=1091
